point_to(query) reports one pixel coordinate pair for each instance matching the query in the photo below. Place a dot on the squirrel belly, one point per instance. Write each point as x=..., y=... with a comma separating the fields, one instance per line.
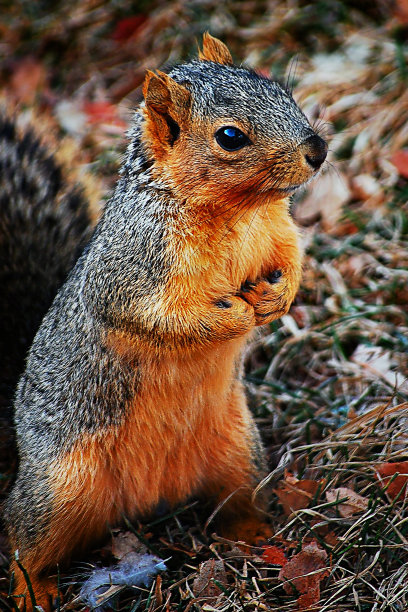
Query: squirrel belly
x=132, y=391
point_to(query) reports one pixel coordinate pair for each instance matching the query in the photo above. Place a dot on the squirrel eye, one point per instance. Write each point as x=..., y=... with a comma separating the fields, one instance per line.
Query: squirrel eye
x=231, y=138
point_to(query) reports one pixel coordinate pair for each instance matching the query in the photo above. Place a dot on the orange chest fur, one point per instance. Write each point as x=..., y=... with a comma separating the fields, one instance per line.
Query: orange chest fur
x=245, y=246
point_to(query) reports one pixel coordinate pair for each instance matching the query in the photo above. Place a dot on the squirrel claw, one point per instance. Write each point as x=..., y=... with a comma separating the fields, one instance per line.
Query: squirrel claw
x=247, y=286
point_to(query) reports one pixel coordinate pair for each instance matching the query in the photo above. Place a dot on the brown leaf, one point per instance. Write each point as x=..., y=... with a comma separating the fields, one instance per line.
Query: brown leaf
x=204, y=585
x=331, y=539
x=355, y=502
x=28, y=78
x=303, y=574
x=385, y=473
x=400, y=161
x=125, y=542
x=295, y=494
x=324, y=532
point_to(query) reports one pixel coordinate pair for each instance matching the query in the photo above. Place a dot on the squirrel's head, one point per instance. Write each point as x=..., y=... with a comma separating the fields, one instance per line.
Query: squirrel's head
x=216, y=130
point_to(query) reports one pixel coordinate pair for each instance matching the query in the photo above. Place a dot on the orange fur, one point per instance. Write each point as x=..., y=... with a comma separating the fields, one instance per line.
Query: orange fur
x=214, y=50
x=45, y=589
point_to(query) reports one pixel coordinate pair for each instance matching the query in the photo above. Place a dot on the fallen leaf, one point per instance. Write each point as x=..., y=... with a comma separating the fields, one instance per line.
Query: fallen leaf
x=325, y=200
x=204, y=585
x=125, y=28
x=102, y=112
x=303, y=574
x=385, y=473
x=28, y=78
x=295, y=494
x=401, y=11
x=324, y=532
x=400, y=161
x=355, y=502
x=274, y=555
x=125, y=542
x=331, y=539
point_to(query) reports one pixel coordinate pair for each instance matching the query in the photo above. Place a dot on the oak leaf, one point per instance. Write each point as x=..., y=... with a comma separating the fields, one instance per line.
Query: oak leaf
x=210, y=571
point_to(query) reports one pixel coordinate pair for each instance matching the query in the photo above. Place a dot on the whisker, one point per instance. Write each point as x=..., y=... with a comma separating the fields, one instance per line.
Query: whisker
x=289, y=86
x=249, y=227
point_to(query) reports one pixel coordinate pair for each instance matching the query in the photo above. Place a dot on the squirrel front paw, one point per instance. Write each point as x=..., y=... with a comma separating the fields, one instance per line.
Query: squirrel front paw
x=269, y=296
x=234, y=315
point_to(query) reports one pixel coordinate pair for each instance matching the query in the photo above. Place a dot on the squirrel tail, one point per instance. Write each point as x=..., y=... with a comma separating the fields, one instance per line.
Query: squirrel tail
x=44, y=224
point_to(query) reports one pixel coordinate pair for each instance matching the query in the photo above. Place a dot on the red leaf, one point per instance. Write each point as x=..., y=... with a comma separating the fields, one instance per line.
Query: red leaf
x=274, y=555
x=265, y=72
x=386, y=471
x=303, y=573
x=401, y=11
x=400, y=161
x=125, y=28
x=102, y=112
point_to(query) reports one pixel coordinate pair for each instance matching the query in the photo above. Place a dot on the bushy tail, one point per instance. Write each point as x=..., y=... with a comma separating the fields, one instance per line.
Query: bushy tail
x=44, y=225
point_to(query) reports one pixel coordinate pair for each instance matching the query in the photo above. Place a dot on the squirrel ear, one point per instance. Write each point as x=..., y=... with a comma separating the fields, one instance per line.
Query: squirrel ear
x=167, y=105
x=215, y=51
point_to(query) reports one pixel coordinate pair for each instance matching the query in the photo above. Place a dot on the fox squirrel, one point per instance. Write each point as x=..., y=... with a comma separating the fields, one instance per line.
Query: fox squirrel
x=132, y=393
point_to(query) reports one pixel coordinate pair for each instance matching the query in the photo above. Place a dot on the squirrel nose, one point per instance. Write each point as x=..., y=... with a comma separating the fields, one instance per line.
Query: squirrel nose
x=314, y=149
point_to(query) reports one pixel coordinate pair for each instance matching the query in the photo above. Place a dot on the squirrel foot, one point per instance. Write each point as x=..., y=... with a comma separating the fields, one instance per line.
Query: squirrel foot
x=45, y=592
x=250, y=530
x=269, y=296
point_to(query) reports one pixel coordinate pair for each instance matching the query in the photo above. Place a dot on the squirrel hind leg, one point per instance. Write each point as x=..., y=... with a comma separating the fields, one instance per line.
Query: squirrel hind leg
x=236, y=464
x=242, y=520
x=45, y=590
x=69, y=511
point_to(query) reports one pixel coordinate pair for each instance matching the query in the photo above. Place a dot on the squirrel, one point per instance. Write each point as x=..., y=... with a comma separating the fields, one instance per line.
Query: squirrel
x=132, y=393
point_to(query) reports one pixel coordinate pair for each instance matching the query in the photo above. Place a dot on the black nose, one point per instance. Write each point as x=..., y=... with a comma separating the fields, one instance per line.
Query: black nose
x=315, y=151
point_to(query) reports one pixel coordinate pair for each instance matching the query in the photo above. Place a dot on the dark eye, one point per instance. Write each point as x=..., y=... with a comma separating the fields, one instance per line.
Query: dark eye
x=231, y=138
